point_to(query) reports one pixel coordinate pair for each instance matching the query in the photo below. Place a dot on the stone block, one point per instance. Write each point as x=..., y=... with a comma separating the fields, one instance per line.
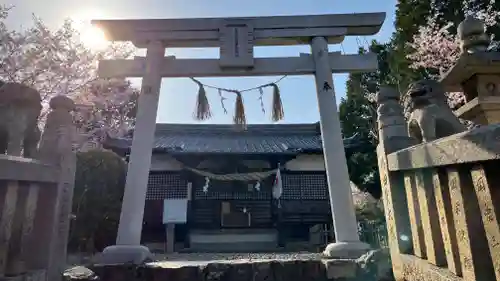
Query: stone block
x=123, y=254
x=346, y=250
x=79, y=273
x=340, y=269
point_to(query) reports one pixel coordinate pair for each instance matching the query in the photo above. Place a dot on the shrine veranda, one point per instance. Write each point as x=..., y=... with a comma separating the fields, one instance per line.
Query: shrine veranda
x=236, y=38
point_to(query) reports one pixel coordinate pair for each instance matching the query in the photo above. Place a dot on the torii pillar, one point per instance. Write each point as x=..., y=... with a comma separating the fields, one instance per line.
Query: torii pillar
x=347, y=242
x=134, y=198
x=128, y=239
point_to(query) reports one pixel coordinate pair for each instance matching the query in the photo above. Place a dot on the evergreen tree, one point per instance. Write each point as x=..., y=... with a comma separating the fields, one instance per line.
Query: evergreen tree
x=357, y=116
x=99, y=185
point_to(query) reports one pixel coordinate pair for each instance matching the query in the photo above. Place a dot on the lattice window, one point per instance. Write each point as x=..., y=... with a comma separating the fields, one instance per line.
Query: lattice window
x=166, y=186
x=291, y=186
x=305, y=186
x=314, y=186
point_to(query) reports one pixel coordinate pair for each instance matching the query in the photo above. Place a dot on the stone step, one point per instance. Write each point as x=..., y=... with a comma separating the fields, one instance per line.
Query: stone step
x=233, y=247
x=233, y=240
x=247, y=267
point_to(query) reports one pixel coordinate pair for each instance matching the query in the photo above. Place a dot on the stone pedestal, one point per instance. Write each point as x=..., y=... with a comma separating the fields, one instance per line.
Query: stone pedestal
x=482, y=111
x=346, y=250
x=344, y=218
x=477, y=74
x=123, y=254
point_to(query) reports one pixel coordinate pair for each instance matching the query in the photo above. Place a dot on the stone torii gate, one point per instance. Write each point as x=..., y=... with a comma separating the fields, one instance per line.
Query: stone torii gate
x=236, y=38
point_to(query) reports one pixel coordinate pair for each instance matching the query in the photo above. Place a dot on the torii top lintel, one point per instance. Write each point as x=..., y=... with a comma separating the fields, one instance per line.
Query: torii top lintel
x=266, y=31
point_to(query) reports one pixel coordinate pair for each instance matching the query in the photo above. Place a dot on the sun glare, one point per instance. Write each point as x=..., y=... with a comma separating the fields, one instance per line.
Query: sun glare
x=94, y=38
x=91, y=36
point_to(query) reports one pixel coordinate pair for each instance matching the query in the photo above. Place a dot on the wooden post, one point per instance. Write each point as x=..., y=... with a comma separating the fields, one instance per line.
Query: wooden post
x=170, y=227
x=131, y=217
x=189, y=213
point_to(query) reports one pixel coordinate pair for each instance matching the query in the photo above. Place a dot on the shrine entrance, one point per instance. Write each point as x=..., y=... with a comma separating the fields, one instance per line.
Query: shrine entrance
x=236, y=38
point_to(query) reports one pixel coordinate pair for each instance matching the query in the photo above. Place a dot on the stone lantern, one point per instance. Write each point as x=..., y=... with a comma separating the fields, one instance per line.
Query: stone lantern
x=477, y=74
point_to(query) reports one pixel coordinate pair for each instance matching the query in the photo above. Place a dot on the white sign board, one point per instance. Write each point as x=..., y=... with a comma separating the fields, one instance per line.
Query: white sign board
x=174, y=211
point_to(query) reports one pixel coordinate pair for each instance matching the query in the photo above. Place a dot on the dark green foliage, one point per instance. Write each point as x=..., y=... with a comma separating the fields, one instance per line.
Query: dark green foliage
x=410, y=15
x=357, y=117
x=362, y=163
x=358, y=113
x=99, y=184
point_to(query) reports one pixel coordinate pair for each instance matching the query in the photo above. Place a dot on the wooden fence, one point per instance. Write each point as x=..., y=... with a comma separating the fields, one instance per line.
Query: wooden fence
x=373, y=233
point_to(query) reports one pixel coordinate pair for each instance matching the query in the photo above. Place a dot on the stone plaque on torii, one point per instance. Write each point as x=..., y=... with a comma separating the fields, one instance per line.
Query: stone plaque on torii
x=236, y=39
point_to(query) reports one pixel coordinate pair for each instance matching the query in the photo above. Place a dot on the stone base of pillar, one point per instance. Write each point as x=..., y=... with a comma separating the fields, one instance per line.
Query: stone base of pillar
x=346, y=250
x=123, y=254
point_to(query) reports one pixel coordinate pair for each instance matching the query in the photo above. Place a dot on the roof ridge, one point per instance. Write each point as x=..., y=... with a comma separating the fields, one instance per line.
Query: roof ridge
x=260, y=129
x=232, y=125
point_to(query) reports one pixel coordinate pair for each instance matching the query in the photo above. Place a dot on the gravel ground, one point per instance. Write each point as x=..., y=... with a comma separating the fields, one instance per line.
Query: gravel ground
x=238, y=256
x=204, y=258
x=183, y=259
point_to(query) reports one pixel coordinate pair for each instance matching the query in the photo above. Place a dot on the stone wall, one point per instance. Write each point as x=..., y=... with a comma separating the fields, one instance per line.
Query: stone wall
x=373, y=266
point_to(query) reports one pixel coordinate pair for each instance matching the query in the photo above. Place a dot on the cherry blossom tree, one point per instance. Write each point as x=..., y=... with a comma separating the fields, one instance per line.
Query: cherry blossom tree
x=56, y=62
x=436, y=48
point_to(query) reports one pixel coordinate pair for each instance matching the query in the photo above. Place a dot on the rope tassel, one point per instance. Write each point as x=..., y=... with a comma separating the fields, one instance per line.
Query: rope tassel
x=239, y=118
x=277, y=110
x=203, y=111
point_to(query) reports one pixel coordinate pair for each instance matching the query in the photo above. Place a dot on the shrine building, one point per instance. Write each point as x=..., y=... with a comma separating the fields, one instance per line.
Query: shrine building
x=215, y=188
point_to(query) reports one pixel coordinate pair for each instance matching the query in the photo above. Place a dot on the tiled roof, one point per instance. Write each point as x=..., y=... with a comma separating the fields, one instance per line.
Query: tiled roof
x=208, y=138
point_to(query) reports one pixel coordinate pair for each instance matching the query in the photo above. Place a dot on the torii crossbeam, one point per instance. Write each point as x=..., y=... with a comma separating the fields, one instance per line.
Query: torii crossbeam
x=300, y=65
x=236, y=39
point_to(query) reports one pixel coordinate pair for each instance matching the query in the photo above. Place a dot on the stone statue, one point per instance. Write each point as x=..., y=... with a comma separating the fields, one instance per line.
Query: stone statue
x=20, y=107
x=429, y=116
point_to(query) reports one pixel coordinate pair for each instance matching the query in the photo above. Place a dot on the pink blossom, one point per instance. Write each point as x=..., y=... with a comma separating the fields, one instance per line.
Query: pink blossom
x=436, y=49
x=55, y=62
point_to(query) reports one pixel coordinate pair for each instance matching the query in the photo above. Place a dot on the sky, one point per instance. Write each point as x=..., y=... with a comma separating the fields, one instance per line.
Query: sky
x=178, y=95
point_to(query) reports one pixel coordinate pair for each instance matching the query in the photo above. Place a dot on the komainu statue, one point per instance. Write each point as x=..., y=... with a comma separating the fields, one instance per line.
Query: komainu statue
x=429, y=116
x=20, y=108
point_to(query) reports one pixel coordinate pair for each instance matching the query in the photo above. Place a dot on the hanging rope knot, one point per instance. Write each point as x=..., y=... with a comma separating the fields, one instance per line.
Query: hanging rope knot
x=202, y=111
x=277, y=106
x=239, y=118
